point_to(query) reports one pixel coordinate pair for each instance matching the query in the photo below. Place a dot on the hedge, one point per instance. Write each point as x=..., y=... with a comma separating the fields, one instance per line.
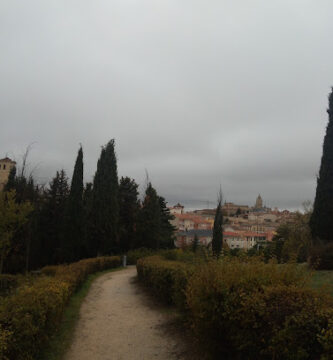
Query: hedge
x=7, y=283
x=247, y=309
x=30, y=316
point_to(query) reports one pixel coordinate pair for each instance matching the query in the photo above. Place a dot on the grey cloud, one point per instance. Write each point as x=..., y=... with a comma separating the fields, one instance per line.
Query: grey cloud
x=199, y=93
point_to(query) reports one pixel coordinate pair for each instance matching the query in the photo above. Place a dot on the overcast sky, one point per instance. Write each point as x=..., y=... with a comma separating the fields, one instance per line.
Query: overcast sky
x=199, y=93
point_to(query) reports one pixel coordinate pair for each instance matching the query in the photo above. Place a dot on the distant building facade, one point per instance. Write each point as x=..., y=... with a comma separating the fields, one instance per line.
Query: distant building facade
x=6, y=164
x=259, y=202
x=177, y=209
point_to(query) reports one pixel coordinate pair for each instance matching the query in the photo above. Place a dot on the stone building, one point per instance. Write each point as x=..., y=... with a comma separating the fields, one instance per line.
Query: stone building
x=259, y=203
x=6, y=165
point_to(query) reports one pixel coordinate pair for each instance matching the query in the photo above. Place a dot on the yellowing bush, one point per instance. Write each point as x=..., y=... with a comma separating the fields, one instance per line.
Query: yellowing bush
x=166, y=278
x=246, y=309
x=28, y=317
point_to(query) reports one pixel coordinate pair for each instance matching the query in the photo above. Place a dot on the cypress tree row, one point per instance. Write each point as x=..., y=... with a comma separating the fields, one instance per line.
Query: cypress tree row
x=321, y=223
x=103, y=236
x=73, y=236
x=218, y=228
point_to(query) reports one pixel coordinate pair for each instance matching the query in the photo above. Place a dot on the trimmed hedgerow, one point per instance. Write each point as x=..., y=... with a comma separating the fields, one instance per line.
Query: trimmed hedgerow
x=30, y=316
x=165, y=278
x=7, y=283
x=245, y=308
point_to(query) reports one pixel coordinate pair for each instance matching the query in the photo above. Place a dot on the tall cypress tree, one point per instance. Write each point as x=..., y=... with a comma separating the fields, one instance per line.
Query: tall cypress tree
x=128, y=212
x=218, y=228
x=149, y=224
x=105, y=206
x=73, y=236
x=321, y=220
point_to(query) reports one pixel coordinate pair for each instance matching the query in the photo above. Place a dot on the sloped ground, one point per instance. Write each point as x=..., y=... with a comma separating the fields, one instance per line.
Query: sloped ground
x=118, y=321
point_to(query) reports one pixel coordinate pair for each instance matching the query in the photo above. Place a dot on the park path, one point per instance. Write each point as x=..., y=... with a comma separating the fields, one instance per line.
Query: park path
x=118, y=321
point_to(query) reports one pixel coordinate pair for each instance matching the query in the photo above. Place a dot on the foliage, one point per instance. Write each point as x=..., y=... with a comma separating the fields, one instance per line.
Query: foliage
x=73, y=237
x=104, y=215
x=48, y=231
x=30, y=316
x=129, y=206
x=7, y=283
x=12, y=217
x=134, y=255
x=321, y=220
x=292, y=241
x=167, y=279
x=321, y=256
x=154, y=230
x=245, y=308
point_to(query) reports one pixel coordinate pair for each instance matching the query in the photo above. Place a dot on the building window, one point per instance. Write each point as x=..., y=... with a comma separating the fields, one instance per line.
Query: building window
x=4, y=166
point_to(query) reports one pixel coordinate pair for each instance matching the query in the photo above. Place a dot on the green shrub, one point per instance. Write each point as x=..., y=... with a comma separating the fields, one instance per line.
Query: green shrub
x=134, y=255
x=28, y=317
x=166, y=279
x=321, y=256
x=245, y=308
x=7, y=283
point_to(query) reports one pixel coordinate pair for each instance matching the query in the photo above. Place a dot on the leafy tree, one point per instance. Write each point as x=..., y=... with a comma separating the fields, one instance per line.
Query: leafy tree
x=12, y=217
x=129, y=206
x=218, y=228
x=103, y=236
x=195, y=243
x=73, y=237
x=321, y=223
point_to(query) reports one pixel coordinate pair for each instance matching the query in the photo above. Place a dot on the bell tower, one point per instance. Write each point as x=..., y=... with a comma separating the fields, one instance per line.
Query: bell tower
x=259, y=202
x=6, y=165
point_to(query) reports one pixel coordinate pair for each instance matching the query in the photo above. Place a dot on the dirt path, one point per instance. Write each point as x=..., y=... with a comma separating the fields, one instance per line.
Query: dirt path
x=118, y=321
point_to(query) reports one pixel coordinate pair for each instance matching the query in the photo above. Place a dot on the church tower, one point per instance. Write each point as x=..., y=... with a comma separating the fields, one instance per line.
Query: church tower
x=259, y=202
x=6, y=165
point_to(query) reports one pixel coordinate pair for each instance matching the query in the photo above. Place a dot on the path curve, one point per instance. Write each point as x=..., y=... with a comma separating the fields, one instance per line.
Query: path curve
x=118, y=322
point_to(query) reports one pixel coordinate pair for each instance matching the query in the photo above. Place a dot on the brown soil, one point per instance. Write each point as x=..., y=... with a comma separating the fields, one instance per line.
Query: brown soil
x=119, y=321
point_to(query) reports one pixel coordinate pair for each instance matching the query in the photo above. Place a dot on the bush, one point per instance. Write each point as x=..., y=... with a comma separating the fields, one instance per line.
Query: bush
x=321, y=256
x=7, y=283
x=134, y=255
x=245, y=308
x=256, y=310
x=28, y=317
x=166, y=279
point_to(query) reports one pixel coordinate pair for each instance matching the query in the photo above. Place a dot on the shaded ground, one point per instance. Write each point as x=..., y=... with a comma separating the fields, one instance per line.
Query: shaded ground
x=118, y=321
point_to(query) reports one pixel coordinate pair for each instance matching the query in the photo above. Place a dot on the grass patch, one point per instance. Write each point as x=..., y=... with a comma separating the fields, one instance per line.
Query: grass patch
x=62, y=338
x=323, y=278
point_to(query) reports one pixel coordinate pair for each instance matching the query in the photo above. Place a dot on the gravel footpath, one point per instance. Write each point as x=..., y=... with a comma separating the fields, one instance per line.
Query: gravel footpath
x=118, y=321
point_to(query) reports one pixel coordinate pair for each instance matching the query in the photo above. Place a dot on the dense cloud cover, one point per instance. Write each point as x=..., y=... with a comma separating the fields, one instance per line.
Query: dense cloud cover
x=197, y=92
